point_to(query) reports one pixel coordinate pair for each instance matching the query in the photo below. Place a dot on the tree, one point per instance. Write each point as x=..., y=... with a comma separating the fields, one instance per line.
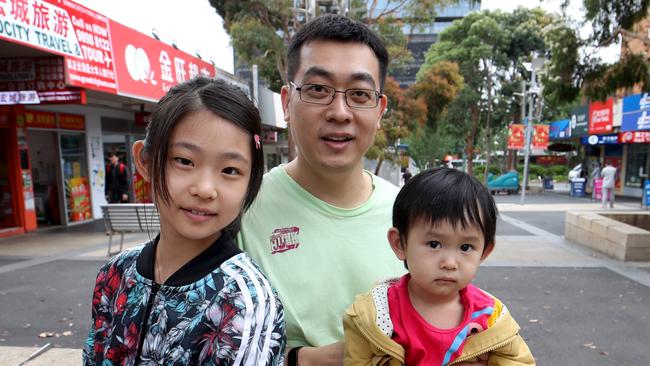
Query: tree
x=614, y=21
x=404, y=112
x=491, y=49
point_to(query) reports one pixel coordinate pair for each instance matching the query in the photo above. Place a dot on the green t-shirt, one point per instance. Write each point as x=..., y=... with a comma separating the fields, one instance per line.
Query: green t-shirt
x=318, y=256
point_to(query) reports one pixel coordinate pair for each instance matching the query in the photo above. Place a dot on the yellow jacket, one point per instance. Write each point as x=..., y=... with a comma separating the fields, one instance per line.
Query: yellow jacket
x=367, y=344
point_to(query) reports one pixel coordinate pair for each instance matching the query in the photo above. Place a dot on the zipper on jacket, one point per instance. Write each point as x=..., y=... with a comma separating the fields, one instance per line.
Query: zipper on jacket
x=371, y=340
x=484, y=351
x=145, y=322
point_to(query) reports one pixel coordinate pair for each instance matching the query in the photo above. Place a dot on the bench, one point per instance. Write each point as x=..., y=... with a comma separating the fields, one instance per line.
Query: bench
x=129, y=217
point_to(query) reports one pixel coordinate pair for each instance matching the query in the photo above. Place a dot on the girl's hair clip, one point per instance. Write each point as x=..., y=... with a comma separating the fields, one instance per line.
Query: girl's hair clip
x=258, y=144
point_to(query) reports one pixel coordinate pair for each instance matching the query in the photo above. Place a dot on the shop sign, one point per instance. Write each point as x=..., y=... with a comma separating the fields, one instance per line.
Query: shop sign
x=579, y=121
x=634, y=137
x=147, y=68
x=551, y=160
x=540, y=136
x=635, y=112
x=560, y=130
x=71, y=121
x=516, y=136
x=19, y=97
x=46, y=75
x=38, y=119
x=64, y=28
x=601, y=116
x=636, y=102
x=639, y=120
x=610, y=139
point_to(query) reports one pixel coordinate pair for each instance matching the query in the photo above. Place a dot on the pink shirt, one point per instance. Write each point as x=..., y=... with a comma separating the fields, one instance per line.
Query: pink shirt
x=425, y=344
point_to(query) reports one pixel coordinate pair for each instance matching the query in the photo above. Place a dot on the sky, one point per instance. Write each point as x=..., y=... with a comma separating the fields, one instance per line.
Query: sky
x=195, y=25
x=192, y=24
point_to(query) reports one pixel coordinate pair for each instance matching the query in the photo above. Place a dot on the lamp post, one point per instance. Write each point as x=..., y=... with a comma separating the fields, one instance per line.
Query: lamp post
x=536, y=64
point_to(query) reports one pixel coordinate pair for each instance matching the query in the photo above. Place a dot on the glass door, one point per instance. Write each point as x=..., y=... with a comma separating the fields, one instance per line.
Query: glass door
x=75, y=177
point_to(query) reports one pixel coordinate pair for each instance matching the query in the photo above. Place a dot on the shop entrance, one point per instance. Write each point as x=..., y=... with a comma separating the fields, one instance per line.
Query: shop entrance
x=9, y=216
x=46, y=174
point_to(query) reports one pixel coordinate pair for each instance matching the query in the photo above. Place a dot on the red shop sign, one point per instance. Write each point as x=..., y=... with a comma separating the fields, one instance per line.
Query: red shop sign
x=64, y=28
x=516, y=136
x=601, y=116
x=634, y=137
x=148, y=68
x=71, y=121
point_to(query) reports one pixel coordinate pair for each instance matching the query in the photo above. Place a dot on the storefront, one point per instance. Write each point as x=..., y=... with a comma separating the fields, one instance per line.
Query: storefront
x=61, y=110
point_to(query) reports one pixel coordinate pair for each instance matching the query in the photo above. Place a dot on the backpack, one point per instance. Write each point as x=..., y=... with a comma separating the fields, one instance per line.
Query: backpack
x=122, y=168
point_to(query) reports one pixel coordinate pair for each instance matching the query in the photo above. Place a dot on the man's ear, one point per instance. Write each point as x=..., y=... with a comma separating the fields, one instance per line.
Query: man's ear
x=285, y=97
x=383, y=104
x=395, y=240
x=488, y=250
x=140, y=159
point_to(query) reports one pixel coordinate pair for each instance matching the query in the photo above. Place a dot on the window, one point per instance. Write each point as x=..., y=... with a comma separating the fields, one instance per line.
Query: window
x=638, y=164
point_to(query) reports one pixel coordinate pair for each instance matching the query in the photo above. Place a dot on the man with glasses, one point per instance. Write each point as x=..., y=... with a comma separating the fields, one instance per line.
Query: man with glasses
x=318, y=226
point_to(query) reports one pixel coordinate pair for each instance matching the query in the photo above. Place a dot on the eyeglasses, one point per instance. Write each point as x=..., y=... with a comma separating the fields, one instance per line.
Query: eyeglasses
x=324, y=95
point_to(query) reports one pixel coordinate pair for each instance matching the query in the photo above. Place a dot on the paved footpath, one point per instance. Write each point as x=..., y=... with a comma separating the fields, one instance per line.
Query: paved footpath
x=575, y=307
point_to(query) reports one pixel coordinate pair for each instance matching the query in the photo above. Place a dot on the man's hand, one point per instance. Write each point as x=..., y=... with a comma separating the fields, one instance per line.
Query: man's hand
x=125, y=197
x=332, y=354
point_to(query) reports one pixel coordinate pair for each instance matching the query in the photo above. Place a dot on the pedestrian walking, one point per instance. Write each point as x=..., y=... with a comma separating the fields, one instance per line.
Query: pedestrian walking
x=406, y=175
x=609, y=184
x=595, y=174
x=190, y=296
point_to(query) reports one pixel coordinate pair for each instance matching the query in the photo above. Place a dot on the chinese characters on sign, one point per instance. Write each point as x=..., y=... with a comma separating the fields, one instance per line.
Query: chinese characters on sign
x=540, y=136
x=516, y=136
x=601, y=116
x=68, y=29
x=636, y=112
x=148, y=68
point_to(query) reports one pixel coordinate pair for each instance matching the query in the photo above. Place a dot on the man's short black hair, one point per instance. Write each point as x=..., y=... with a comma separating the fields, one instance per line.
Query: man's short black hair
x=445, y=194
x=333, y=27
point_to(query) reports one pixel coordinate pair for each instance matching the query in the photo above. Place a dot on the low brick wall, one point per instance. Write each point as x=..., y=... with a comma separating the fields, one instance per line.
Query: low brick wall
x=616, y=238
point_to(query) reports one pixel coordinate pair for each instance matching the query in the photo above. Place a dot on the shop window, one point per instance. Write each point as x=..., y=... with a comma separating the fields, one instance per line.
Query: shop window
x=636, y=170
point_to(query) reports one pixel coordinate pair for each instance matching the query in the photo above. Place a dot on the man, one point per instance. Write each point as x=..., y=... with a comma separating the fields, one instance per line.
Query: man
x=609, y=182
x=116, y=187
x=318, y=226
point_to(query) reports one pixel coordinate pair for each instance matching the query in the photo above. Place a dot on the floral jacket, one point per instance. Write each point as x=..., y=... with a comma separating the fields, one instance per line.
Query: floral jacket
x=368, y=339
x=219, y=309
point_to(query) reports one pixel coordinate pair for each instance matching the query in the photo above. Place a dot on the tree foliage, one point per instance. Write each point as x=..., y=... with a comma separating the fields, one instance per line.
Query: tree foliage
x=261, y=29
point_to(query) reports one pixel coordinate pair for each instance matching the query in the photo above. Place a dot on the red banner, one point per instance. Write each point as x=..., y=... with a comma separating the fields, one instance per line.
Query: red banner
x=44, y=75
x=540, y=136
x=148, y=68
x=64, y=28
x=72, y=121
x=601, y=115
x=516, y=136
x=634, y=137
x=550, y=160
x=38, y=119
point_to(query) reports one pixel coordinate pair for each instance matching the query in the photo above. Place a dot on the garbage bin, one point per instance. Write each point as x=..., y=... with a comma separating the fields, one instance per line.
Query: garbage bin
x=578, y=187
x=548, y=183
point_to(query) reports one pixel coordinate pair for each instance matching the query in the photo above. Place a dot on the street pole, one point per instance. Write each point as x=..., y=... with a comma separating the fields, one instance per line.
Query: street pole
x=533, y=85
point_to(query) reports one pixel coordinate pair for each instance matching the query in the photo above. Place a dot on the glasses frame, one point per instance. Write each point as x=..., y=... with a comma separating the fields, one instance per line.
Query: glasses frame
x=378, y=95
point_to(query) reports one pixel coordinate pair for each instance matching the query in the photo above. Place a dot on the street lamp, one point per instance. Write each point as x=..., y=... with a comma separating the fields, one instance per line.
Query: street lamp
x=537, y=64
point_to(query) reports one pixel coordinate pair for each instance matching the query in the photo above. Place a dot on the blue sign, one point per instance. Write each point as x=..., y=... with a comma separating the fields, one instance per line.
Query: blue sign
x=610, y=139
x=636, y=102
x=647, y=192
x=560, y=129
x=635, y=121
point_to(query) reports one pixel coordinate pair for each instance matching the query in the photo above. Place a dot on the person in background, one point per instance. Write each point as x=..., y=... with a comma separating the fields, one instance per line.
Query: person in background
x=116, y=187
x=444, y=225
x=609, y=184
x=406, y=175
x=595, y=174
